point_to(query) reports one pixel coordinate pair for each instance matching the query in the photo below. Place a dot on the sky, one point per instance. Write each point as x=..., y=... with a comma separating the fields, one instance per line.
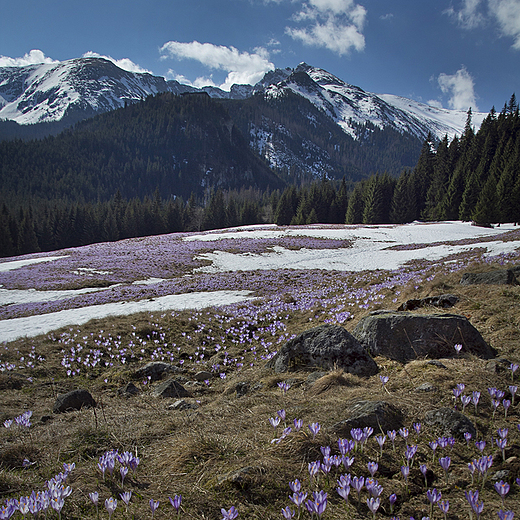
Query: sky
x=448, y=53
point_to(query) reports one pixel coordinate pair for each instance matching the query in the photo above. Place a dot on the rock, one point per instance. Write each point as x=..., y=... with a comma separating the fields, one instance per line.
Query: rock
x=326, y=347
x=183, y=405
x=496, y=366
x=241, y=389
x=129, y=390
x=438, y=364
x=242, y=477
x=379, y=415
x=451, y=422
x=403, y=336
x=203, y=376
x=312, y=378
x=498, y=277
x=75, y=400
x=170, y=388
x=155, y=370
x=426, y=387
x=444, y=301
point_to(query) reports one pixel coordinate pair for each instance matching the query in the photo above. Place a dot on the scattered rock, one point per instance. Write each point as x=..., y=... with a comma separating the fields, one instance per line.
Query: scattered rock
x=75, y=400
x=496, y=366
x=379, y=415
x=500, y=475
x=426, y=387
x=155, y=370
x=203, y=376
x=183, y=405
x=326, y=346
x=498, y=277
x=312, y=378
x=444, y=301
x=243, y=477
x=437, y=364
x=170, y=388
x=403, y=336
x=451, y=422
x=129, y=390
x=241, y=388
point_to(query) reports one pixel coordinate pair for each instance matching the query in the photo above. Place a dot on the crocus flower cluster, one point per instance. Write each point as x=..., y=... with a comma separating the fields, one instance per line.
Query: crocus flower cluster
x=23, y=420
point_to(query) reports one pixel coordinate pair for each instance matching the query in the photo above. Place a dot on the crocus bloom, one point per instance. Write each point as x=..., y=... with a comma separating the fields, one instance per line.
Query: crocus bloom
x=506, y=515
x=424, y=471
x=467, y=436
x=502, y=488
x=343, y=492
x=373, y=505
x=287, y=513
x=295, y=486
x=94, y=496
x=513, y=389
x=125, y=497
x=457, y=347
x=372, y=468
x=229, y=515
x=444, y=506
x=314, y=428
x=176, y=502
x=154, y=504
x=110, y=506
x=392, y=499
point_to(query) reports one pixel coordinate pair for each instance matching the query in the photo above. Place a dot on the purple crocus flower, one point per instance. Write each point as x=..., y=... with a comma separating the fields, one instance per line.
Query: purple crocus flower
x=373, y=505
x=480, y=445
x=287, y=513
x=467, y=436
x=513, y=367
x=314, y=428
x=110, y=506
x=392, y=499
x=229, y=515
x=176, y=503
x=343, y=492
x=444, y=506
x=502, y=443
x=506, y=403
x=513, y=389
x=298, y=498
x=445, y=465
x=424, y=471
x=275, y=421
x=502, y=488
x=458, y=348
x=475, y=398
x=372, y=468
x=154, y=504
x=506, y=515
x=392, y=435
x=295, y=486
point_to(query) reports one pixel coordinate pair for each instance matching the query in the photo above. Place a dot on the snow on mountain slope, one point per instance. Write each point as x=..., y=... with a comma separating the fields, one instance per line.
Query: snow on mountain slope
x=48, y=92
x=350, y=106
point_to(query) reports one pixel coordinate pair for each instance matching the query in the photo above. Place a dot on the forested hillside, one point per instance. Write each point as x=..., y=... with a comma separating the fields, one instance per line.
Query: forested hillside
x=474, y=177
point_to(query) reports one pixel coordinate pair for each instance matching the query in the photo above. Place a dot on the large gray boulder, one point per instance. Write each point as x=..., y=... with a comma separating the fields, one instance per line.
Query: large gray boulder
x=326, y=347
x=498, y=277
x=403, y=336
x=75, y=400
x=379, y=415
x=450, y=422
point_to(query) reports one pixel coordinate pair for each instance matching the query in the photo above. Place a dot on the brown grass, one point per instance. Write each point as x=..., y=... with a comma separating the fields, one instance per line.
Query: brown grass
x=221, y=453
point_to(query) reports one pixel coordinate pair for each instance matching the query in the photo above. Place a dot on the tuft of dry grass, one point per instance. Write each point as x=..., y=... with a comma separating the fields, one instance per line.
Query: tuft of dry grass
x=222, y=452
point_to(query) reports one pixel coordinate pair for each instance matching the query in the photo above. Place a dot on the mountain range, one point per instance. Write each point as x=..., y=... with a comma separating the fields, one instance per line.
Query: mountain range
x=304, y=122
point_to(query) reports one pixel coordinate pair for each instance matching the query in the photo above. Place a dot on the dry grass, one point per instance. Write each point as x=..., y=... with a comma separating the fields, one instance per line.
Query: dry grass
x=221, y=453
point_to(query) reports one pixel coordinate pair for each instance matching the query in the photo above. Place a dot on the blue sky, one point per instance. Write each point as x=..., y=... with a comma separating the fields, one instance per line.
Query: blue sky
x=452, y=53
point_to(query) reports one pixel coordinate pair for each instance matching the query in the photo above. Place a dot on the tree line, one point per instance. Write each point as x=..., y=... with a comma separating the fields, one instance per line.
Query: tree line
x=474, y=177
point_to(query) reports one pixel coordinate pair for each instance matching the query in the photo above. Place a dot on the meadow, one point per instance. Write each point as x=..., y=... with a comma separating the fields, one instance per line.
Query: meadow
x=249, y=443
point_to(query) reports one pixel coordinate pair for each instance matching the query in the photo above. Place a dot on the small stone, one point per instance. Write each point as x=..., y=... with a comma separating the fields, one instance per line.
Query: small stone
x=426, y=387
x=170, y=388
x=451, y=422
x=436, y=363
x=241, y=389
x=183, y=405
x=129, y=390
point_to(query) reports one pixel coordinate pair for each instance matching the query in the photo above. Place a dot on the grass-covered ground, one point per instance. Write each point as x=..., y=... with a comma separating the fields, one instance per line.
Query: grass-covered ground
x=220, y=454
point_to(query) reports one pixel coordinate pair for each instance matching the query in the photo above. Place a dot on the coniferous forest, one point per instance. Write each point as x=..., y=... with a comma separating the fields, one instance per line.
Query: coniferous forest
x=473, y=177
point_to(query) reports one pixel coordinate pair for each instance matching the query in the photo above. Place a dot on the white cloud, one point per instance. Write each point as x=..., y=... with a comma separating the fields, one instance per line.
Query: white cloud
x=198, y=83
x=33, y=57
x=334, y=24
x=124, y=63
x=242, y=67
x=434, y=103
x=461, y=88
x=507, y=15
x=469, y=16
x=504, y=13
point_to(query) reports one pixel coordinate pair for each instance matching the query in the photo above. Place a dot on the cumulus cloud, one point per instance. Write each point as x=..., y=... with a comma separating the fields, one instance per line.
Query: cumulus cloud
x=33, y=57
x=469, y=15
x=334, y=24
x=124, y=63
x=507, y=15
x=461, y=89
x=242, y=67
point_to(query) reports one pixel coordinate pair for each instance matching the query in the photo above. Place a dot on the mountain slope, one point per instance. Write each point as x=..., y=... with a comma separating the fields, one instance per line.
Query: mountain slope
x=176, y=144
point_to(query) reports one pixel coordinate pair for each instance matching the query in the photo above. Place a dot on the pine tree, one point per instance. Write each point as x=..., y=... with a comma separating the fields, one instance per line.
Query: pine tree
x=355, y=206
